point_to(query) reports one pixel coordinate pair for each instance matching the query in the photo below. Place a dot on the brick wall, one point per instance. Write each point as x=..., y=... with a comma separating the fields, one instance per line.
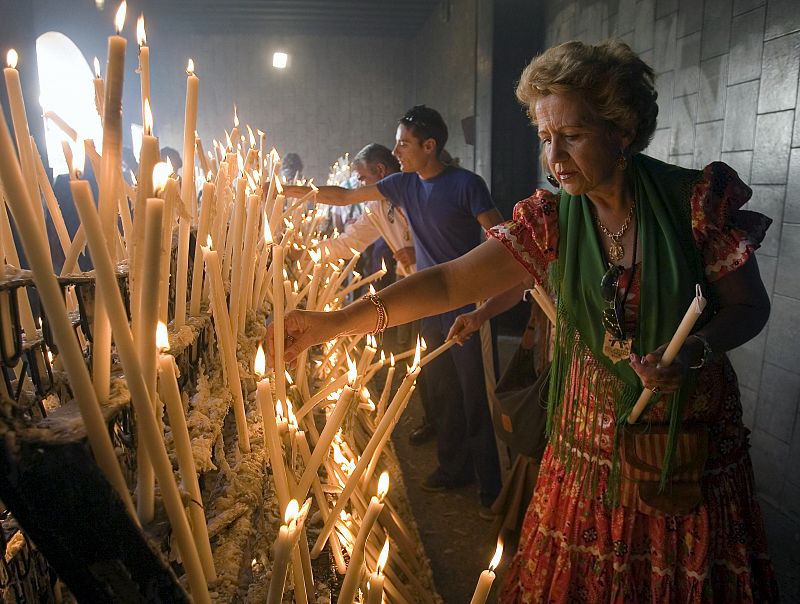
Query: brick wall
x=727, y=82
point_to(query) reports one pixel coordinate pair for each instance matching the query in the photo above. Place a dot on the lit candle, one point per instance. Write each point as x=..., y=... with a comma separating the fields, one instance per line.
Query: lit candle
x=277, y=320
x=227, y=344
x=187, y=195
x=247, y=266
x=435, y=353
x=376, y=578
x=148, y=158
x=146, y=348
x=387, y=388
x=272, y=440
x=209, y=199
x=693, y=313
x=144, y=64
x=99, y=89
x=108, y=175
x=374, y=447
x=233, y=243
x=49, y=291
x=20, y=120
x=107, y=282
x=487, y=578
x=171, y=395
x=353, y=576
x=332, y=426
x=288, y=534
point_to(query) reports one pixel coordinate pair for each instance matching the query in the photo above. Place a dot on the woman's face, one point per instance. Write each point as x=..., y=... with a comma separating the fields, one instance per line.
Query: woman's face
x=580, y=151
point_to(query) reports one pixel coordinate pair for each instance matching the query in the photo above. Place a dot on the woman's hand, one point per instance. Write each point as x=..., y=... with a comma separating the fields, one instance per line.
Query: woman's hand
x=667, y=379
x=465, y=325
x=302, y=328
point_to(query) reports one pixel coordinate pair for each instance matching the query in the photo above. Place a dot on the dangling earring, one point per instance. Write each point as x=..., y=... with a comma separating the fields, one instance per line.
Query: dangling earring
x=553, y=181
x=622, y=161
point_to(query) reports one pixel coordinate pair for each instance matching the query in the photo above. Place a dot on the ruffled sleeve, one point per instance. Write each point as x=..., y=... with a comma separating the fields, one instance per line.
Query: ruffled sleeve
x=532, y=235
x=726, y=235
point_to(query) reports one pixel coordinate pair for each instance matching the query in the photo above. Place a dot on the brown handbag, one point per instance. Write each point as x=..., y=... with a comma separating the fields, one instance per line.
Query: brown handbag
x=642, y=456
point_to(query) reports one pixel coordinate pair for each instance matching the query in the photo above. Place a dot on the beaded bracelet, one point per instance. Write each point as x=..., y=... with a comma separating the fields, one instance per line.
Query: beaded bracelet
x=383, y=316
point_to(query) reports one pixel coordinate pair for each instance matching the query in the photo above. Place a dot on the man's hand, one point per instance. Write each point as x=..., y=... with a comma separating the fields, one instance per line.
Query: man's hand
x=406, y=256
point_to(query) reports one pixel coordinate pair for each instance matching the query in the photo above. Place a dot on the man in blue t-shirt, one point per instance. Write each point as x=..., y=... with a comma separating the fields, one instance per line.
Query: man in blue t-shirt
x=447, y=208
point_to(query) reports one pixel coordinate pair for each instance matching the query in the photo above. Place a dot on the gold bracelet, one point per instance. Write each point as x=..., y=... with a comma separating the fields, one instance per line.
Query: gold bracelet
x=380, y=307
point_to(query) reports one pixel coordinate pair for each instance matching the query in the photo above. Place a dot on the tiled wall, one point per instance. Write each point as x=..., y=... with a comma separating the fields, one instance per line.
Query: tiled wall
x=728, y=90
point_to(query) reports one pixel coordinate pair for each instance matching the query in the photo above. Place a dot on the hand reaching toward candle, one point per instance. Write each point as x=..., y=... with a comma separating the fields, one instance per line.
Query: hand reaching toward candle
x=302, y=328
x=465, y=325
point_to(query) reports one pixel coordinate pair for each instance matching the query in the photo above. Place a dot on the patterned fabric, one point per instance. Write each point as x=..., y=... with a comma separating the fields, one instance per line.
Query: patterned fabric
x=573, y=547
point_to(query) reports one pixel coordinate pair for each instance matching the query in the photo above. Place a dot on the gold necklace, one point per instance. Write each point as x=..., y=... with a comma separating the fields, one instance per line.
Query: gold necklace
x=616, y=252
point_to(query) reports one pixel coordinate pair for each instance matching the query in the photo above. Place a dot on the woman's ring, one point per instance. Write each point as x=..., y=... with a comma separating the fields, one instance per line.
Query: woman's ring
x=655, y=390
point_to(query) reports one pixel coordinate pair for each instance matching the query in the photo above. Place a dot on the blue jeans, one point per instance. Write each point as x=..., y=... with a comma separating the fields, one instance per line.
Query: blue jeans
x=454, y=395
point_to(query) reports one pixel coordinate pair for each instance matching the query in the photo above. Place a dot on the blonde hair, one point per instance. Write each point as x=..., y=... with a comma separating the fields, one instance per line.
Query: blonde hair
x=613, y=81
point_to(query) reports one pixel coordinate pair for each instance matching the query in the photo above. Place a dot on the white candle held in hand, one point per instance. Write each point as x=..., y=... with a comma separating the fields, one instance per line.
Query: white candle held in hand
x=487, y=578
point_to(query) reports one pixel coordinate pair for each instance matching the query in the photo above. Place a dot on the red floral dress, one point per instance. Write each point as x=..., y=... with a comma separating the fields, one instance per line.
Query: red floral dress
x=573, y=548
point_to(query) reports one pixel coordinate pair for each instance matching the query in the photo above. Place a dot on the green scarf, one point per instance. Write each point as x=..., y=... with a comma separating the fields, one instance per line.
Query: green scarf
x=671, y=266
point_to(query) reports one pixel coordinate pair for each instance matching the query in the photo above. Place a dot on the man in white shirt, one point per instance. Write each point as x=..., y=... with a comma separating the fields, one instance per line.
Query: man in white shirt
x=381, y=218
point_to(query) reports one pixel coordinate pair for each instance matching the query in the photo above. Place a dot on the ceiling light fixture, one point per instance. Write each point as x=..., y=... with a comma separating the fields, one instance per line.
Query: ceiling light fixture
x=280, y=60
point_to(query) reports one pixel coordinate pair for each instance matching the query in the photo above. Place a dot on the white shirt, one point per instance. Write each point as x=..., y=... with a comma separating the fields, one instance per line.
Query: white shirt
x=379, y=219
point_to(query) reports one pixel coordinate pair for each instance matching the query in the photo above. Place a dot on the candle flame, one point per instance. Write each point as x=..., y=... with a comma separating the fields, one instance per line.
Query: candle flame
x=352, y=373
x=141, y=37
x=209, y=242
x=252, y=136
x=383, y=485
x=161, y=173
x=383, y=265
x=240, y=162
x=260, y=364
x=235, y=117
x=290, y=380
x=148, y=118
x=391, y=359
x=228, y=146
x=279, y=186
x=96, y=68
x=383, y=558
x=415, y=363
x=190, y=67
x=372, y=289
x=290, y=414
x=315, y=255
x=119, y=19
x=383, y=357
x=423, y=343
x=162, y=337
x=50, y=356
x=78, y=157
x=11, y=58
x=497, y=555
x=292, y=510
x=279, y=409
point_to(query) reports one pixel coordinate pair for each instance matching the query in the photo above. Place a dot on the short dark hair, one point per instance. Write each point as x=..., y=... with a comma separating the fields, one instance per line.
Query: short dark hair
x=426, y=123
x=377, y=154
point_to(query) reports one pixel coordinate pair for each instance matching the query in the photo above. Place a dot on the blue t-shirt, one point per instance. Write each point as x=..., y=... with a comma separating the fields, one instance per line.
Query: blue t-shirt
x=442, y=211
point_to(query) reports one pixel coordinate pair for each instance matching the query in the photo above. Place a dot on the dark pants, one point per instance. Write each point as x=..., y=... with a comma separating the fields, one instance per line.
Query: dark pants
x=454, y=395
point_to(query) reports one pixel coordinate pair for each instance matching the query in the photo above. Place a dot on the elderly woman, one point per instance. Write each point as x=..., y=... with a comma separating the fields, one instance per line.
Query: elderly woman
x=619, y=515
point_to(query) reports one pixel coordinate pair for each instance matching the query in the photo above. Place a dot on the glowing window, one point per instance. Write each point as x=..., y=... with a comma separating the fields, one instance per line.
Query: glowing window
x=280, y=60
x=66, y=89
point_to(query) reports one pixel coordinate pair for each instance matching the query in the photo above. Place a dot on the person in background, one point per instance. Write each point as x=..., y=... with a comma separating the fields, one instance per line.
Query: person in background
x=291, y=167
x=448, y=208
x=664, y=510
x=381, y=220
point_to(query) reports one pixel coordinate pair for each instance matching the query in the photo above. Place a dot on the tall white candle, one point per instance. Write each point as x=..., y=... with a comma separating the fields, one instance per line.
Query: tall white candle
x=107, y=281
x=353, y=576
x=146, y=348
x=277, y=321
x=144, y=64
x=227, y=344
x=187, y=195
x=171, y=395
x=693, y=313
x=208, y=199
x=376, y=578
x=20, y=120
x=50, y=295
